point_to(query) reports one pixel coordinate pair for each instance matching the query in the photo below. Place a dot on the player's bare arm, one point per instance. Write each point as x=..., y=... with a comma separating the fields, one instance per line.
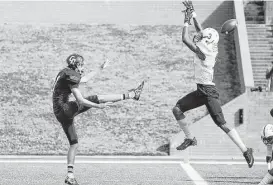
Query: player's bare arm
x=186, y=39
x=185, y=34
x=82, y=101
x=190, y=9
x=91, y=74
x=197, y=24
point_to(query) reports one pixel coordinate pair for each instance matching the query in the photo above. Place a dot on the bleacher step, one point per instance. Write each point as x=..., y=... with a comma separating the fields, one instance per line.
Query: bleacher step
x=269, y=58
x=263, y=51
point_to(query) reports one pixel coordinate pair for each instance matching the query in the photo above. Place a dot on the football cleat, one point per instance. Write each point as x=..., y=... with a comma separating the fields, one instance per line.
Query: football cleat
x=187, y=142
x=267, y=134
x=70, y=181
x=137, y=91
x=249, y=157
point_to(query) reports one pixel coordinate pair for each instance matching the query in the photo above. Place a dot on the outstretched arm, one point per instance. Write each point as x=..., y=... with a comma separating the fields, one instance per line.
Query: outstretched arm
x=189, y=13
x=90, y=75
x=197, y=25
x=186, y=39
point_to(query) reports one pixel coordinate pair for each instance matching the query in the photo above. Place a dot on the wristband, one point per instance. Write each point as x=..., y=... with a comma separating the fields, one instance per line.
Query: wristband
x=194, y=14
x=186, y=24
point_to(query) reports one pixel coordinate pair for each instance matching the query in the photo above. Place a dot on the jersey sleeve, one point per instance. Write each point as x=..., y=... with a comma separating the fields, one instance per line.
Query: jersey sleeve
x=73, y=80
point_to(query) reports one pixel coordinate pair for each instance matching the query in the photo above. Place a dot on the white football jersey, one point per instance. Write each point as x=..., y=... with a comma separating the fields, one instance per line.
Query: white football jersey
x=204, y=62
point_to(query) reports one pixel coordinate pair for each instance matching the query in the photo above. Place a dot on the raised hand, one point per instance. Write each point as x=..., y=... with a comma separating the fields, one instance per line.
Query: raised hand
x=188, y=11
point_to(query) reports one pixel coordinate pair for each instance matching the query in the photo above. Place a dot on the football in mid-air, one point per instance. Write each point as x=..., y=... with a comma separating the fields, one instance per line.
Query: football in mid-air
x=229, y=26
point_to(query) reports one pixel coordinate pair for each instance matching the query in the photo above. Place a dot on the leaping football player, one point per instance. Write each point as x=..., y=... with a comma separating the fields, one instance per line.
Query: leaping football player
x=205, y=48
x=67, y=83
x=267, y=138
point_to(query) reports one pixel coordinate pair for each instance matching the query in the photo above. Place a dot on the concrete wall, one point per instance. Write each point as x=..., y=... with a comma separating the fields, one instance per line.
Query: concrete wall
x=242, y=48
x=269, y=12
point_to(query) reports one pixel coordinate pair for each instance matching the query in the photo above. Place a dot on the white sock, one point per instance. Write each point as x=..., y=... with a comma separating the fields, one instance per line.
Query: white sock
x=70, y=175
x=266, y=180
x=70, y=170
x=234, y=136
x=131, y=94
x=184, y=126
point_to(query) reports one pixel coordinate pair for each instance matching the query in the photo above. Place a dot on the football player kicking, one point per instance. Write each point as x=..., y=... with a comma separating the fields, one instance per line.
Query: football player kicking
x=67, y=82
x=204, y=45
x=267, y=138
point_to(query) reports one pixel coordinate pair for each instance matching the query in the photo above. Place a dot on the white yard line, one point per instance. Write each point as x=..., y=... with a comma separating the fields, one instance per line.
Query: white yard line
x=193, y=174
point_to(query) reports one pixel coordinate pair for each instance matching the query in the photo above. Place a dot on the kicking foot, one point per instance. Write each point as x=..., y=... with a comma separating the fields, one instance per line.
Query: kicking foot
x=71, y=181
x=187, y=142
x=249, y=157
x=137, y=91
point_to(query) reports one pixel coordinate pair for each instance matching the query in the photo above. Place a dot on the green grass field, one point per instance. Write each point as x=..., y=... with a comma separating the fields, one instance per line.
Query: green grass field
x=32, y=55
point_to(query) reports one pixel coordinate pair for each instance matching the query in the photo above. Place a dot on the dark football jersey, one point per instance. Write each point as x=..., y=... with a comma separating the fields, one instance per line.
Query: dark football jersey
x=65, y=81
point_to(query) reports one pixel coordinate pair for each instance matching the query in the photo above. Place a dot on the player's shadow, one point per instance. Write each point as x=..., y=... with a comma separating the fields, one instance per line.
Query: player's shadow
x=164, y=148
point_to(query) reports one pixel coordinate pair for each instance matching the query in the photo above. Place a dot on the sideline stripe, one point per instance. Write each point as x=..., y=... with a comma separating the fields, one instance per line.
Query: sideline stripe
x=193, y=174
x=120, y=157
x=101, y=161
x=90, y=162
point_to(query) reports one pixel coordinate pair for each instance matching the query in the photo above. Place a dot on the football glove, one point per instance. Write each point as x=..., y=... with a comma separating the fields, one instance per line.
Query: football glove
x=188, y=11
x=188, y=4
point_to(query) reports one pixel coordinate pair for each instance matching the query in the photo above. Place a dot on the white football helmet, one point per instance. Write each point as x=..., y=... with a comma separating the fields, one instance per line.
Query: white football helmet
x=210, y=35
x=267, y=134
x=209, y=40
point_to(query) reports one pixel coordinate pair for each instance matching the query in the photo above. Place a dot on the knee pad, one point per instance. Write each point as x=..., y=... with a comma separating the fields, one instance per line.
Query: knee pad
x=178, y=114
